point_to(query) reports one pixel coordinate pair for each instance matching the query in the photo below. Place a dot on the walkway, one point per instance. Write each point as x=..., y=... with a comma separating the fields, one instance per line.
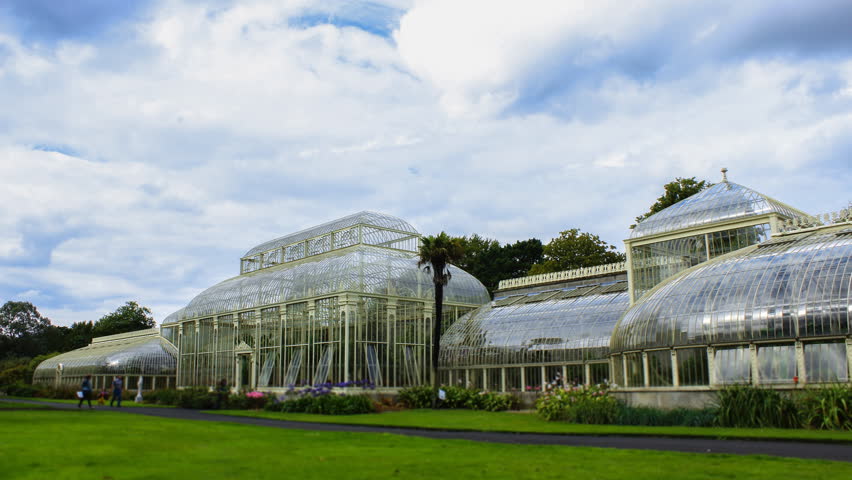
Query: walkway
x=822, y=451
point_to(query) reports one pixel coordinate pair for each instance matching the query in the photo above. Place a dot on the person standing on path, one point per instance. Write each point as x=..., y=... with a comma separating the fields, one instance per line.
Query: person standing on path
x=86, y=389
x=221, y=392
x=117, y=388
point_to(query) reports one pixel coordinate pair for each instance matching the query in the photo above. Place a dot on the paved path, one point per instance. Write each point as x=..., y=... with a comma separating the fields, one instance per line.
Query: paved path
x=823, y=451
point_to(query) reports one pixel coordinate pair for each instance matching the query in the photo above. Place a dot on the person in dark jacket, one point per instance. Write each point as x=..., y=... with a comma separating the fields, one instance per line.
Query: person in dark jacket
x=86, y=388
x=221, y=392
x=117, y=388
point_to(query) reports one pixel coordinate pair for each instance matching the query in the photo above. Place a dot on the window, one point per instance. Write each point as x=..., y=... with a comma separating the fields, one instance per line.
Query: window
x=660, y=368
x=826, y=362
x=692, y=366
x=776, y=363
x=733, y=365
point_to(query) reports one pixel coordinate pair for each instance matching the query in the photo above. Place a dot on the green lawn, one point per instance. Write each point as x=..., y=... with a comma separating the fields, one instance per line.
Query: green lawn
x=530, y=422
x=124, y=403
x=108, y=445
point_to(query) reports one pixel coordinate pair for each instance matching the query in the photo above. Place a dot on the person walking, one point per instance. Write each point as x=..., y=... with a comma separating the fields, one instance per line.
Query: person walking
x=117, y=388
x=86, y=390
x=221, y=392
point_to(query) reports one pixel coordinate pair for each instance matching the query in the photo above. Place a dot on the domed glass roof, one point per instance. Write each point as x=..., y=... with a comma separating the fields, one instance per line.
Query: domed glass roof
x=791, y=286
x=558, y=325
x=361, y=218
x=362, y=269
x=145, y=354
x=721, y=202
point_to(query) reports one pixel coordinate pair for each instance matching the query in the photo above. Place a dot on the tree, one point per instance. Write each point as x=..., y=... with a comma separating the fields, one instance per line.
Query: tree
x=573, y=249
x=675, y=191
x=491, y=262
x=21, y=330
x=127, y=318
x=436, y=254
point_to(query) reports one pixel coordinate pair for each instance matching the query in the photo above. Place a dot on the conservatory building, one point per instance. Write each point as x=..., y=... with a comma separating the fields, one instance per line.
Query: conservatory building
x=340, y=302
x=726, y=286
x=138, y=356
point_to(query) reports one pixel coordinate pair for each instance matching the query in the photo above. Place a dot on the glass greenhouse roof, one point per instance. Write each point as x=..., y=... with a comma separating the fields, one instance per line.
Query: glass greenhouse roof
x=795, y=285
x=363, y=269
x=136, y=353
x=721, y=202
x=572, y=324
x=361, y=218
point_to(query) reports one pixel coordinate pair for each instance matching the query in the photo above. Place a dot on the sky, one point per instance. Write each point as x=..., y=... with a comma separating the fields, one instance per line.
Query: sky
x=146, y=146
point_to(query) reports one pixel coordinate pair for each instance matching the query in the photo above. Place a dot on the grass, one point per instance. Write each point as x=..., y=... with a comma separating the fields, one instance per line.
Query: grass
x=80, y=444
x=531, y=423
x=124, y=403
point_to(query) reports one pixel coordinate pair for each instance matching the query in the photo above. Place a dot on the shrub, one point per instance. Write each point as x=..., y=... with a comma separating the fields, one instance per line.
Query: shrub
x=166, y=396
x=198, y=398
x=754, y=407
x=582, y=404
x=21, y=390
x=327, y=404
x=655, y=417
x=827, y=408
x=417, y=397
x=249, y=400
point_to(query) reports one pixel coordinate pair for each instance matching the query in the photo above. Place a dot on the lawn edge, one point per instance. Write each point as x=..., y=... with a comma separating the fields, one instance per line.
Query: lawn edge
x=583, y=434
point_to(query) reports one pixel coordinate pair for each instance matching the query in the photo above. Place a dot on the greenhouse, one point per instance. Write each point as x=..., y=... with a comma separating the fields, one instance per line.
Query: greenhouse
x=341, y=302
x=522, y=342
x=713, y=222
x=143, y=354
x=776, y=313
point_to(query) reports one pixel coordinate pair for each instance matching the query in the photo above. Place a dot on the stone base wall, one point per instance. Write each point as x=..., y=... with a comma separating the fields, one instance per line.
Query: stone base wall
x=668, y=399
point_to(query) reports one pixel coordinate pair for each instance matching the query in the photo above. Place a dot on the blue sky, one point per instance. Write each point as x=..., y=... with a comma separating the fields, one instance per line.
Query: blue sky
x=145, y=146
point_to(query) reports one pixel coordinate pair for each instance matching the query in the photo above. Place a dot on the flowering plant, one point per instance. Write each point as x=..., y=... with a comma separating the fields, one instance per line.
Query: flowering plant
x=580, y=404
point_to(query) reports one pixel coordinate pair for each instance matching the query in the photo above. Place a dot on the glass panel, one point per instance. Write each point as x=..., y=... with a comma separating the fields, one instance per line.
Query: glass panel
x=660, y=368
x=635, y=370
x=826, y=362
x=575, y=374
x=692, y=366
x=513, y=379
x=656, y=262
x=733, y=365
x=599, y=373
x=776, y=363
x=532, y=379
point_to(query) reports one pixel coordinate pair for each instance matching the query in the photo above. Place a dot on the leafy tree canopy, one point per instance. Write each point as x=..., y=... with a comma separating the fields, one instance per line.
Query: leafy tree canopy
x=490, y=262
x=574, y=249
x=673, y=192
x=20, y=319
x=127, y=318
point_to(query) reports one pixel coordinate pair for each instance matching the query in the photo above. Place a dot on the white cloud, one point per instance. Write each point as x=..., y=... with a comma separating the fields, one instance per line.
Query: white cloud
x=206, y=133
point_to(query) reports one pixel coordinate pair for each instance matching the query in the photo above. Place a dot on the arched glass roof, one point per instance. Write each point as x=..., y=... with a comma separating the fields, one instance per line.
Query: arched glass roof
x=572, y=324
x=148, y=354
x=361, y=269
x=721, y=202
x=791, y=286
x=361, y=218
x=172, y=318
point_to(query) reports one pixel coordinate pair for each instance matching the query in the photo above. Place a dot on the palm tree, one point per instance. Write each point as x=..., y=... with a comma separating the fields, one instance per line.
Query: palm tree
x=436, y=254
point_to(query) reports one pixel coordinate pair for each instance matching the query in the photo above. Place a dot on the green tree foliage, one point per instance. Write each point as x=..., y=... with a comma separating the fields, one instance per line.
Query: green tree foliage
x=673, y=192
x=436, y=254
x=126, y=318
x=491, y=262
x=23, y=330
x=575, y=249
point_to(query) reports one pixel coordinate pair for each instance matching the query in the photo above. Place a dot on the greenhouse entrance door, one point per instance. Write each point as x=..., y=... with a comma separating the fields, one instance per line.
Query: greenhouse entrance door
x=244, y=372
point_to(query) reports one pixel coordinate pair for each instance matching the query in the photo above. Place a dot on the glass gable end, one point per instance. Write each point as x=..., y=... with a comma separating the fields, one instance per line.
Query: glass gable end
x=721, y=202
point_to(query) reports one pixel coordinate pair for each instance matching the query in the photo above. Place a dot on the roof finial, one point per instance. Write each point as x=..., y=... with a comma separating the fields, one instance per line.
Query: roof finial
x=724, y=175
